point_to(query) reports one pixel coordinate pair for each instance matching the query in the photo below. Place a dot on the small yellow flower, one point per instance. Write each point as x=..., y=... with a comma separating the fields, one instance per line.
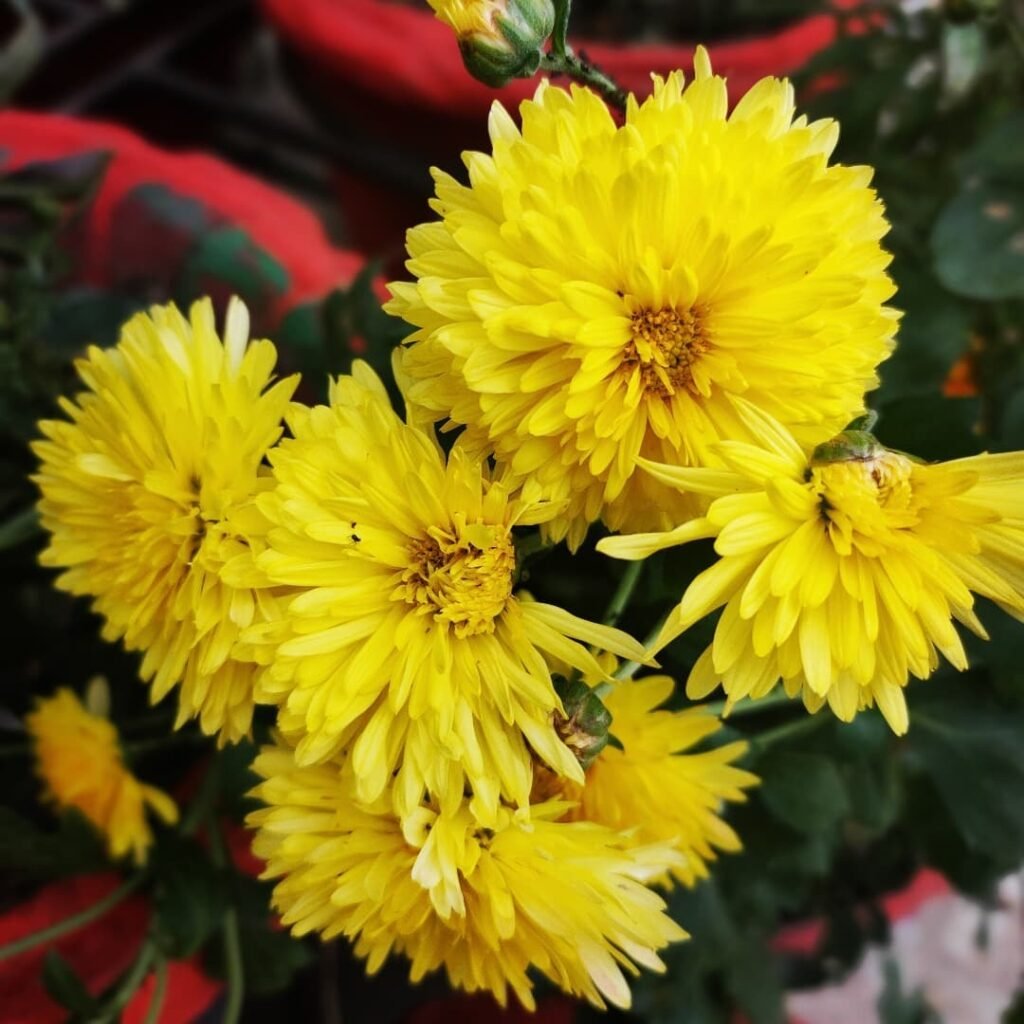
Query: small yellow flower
x=841, y=574
x=655, y=787
x=147, y=493
x=403, y=635
x=79, y=761
x=569, y=899
x=597, y=294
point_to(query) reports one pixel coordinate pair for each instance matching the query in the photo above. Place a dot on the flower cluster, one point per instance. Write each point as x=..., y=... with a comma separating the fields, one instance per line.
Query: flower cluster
x=423, y=794
x=664, y=325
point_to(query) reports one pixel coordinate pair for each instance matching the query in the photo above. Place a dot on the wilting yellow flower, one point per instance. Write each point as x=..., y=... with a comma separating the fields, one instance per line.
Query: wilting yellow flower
x=79, y=760
x=404, y=634
x=568, y=898
x=654, y=787
x=147, y=492
x=841, y=574
x=599, y=293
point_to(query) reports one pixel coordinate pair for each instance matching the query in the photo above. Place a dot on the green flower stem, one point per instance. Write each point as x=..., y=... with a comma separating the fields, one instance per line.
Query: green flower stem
x=135, y=747
x=156, y=1000
x=70, y=924
x=582, y=71
x=205, y=797
x=623, y=593
x=806, y=723
x=628, y=669
x=234, y=968
x=748, y=706
x=130, y=982
x=559, y=46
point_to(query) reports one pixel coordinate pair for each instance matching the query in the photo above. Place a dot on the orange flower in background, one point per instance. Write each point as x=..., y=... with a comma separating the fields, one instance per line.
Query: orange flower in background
x=78, y=758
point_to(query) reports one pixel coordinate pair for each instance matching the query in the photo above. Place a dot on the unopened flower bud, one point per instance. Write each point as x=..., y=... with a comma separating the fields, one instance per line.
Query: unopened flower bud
x=499, y=39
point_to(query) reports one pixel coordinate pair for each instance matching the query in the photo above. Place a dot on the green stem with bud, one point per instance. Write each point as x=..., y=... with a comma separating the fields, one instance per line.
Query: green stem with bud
x=581, y=70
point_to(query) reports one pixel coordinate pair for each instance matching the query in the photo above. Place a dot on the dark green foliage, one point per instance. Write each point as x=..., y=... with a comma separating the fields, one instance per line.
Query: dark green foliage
x=65, y=987
x=895, y=1007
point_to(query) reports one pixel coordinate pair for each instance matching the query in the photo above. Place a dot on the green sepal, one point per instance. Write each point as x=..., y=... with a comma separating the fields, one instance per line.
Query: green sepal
x=848, y=446
x=517, y=49
x=584, y=729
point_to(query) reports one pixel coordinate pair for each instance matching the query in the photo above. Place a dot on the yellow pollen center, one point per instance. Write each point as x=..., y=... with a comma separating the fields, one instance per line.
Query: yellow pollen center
x=665, y=345
x=463, y=577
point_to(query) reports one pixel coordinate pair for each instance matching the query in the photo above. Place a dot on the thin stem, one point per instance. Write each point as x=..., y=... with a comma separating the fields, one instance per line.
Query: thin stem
x=136, y=747
x=623, y=593
x=203, y=800
x=628, y=669
x=806, y=723
x=559, y=46
x=72, y=923
x=749, y=705
x=234, y=969
x=581, y=70
x=130, y=983
x=156, y=1000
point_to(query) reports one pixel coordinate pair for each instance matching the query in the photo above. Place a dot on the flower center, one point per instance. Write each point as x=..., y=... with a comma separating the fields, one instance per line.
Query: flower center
x=462, y=576
x=665, y=345
x=870, y=497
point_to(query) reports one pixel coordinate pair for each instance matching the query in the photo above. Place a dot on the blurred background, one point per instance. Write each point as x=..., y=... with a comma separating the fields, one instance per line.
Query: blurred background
x=278, y=149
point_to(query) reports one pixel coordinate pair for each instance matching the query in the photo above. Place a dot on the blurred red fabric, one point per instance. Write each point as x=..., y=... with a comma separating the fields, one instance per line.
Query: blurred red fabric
x=275, y=222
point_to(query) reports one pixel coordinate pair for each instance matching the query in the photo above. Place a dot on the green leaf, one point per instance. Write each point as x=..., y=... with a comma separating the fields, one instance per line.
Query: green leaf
x=28, y=850
x=970, y=748
x=753, y=980
x=19, y=527
x=190, y=897
x=85, y=316
x=803, y=790
x=999, y=154
x=934, y=333
x=1013, y=423
x=894, y=1007
x=978, y=242
x=930, y=426
x=64, y=986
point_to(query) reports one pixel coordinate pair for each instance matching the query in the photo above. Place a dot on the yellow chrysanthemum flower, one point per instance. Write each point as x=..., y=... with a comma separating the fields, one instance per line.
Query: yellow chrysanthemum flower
x=79, y=760
x=147, y=492
x=404, y=633
x=599, y=293
x=654, y=787
x=567, y=898
x=841, y=575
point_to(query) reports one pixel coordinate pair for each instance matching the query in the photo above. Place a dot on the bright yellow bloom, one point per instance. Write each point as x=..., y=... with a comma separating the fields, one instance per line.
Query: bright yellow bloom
x=147, y=492
x=599, y=293
x=654, y=787
x=841, y=577
x=568, y=898
x=79, y=760
x=471, y=17
x=404, y=634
